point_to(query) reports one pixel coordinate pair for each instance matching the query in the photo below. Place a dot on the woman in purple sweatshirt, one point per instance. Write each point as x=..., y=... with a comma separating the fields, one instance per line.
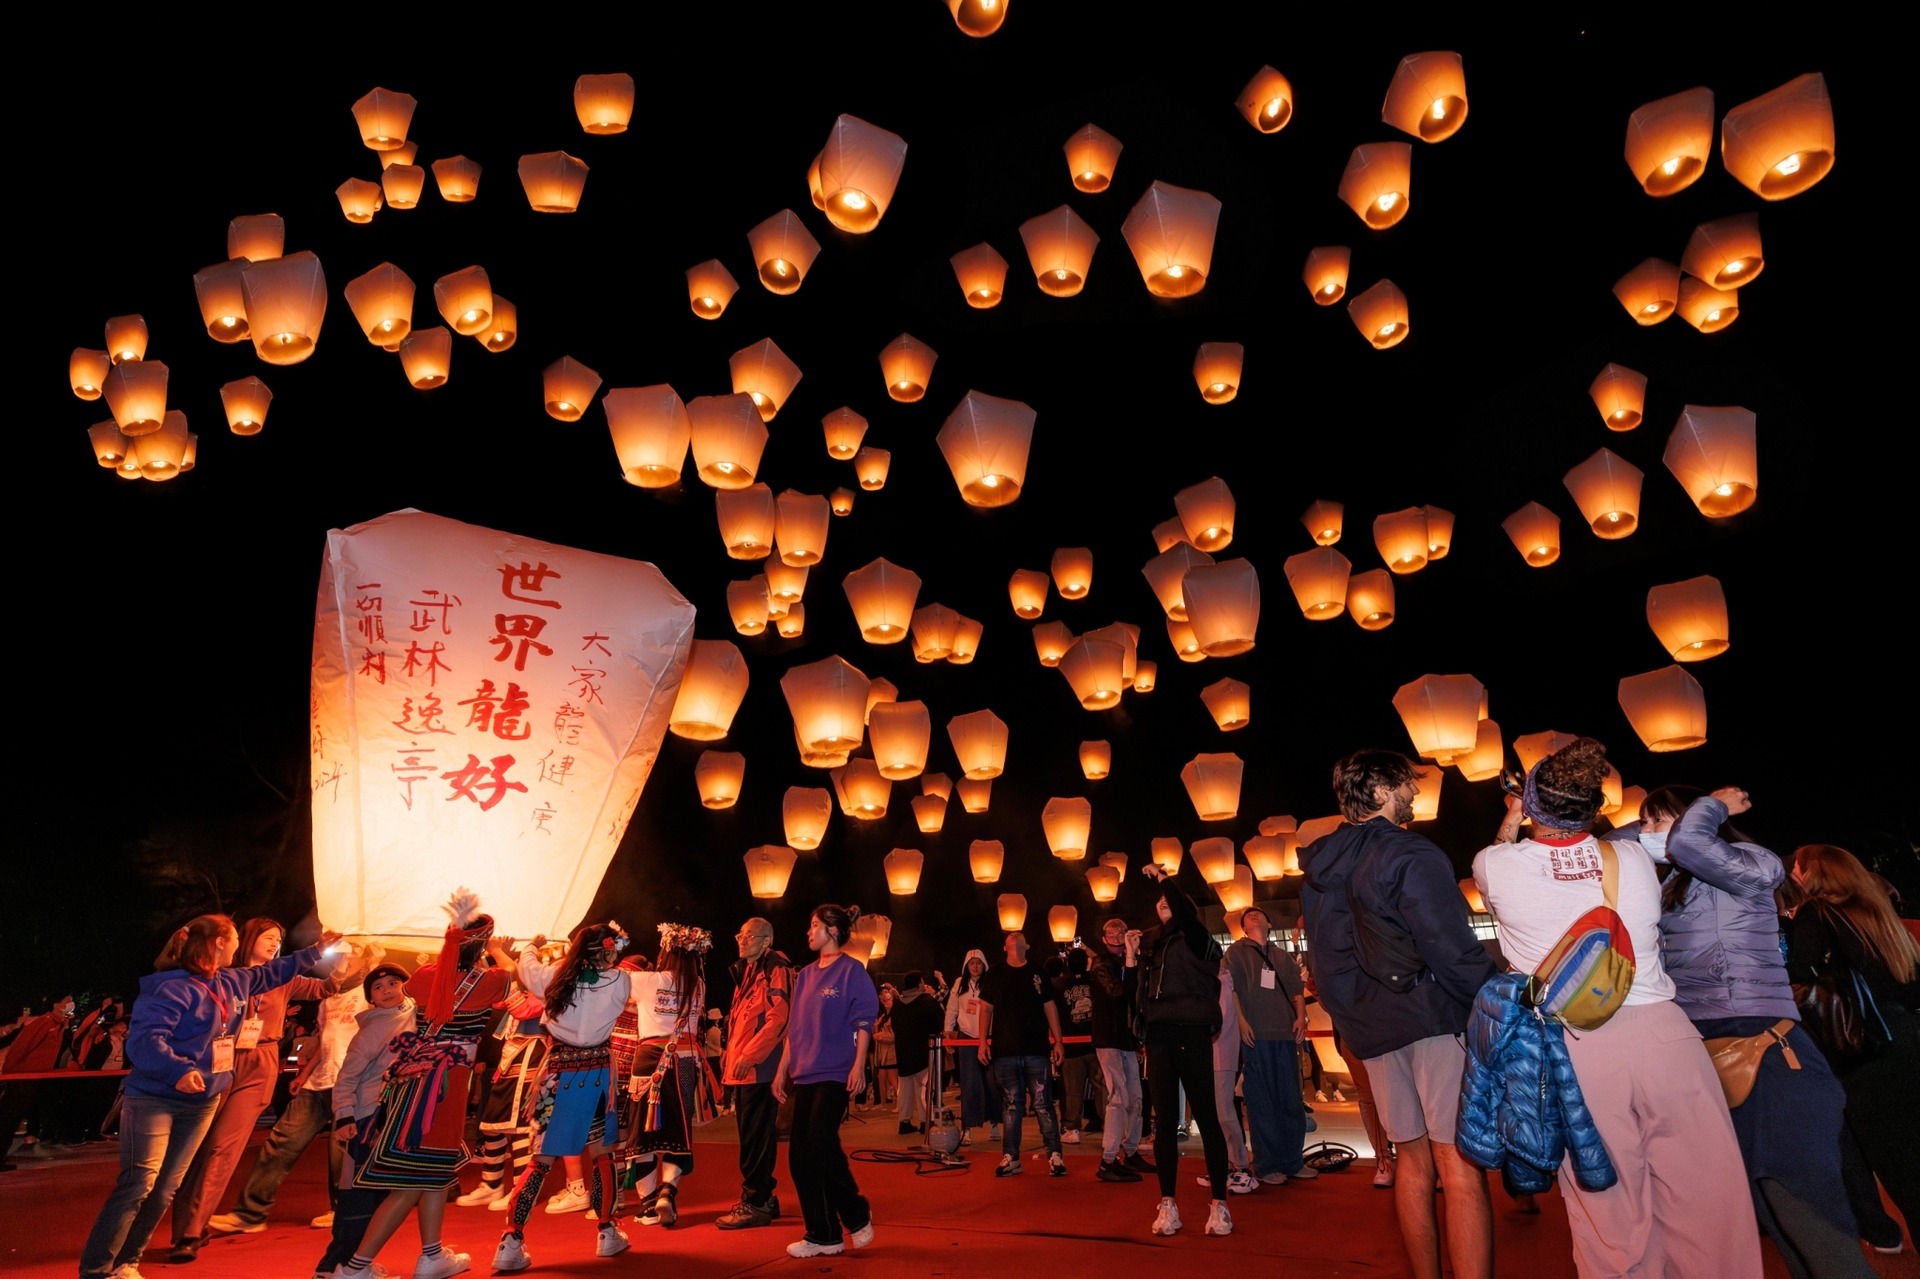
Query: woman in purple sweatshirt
x=181, y=1050
x=828, y=1033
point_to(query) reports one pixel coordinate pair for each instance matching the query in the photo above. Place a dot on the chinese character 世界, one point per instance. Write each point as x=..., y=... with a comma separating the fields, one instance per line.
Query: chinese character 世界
x=528, y=577
x=434, y=609
x=423, y=718
x=518, y=632
x=490, y=777
x=497, y=713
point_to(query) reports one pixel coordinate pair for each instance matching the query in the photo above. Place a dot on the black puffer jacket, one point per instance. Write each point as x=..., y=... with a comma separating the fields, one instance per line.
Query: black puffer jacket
x=1179, y=981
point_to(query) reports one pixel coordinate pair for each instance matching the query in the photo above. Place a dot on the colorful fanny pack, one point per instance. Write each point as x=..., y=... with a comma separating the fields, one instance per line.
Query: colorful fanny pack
x=1585, y=978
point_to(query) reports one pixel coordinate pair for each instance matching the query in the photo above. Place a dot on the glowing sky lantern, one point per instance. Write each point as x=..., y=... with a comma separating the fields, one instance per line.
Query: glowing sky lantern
x=1319, y=581
x=1093, y=668
x=1650, y=291
x=1230, y=702
x=1213, y=858
x=223, y=308
x=981, y=18
x=1324, y=520
x=980, y=743
x=1223, y=606
x=286, y=303
x=458, y=179
x=1631, y=798
x=110, y=447
x=1439, y=532
x=841, y=501
x=792, y=624
x=1266, y=102
x=844, y=430
x=1236, y=894
x=604, y=103
x=1067, y=822
x=163, y=454
x=982, y=274
x=1668, y=141
x=426, y=356
x=1166, y=853
x=929, y=813
x=871, y=934
x=1441, y=713
x=1166, y=572
x=718, y=776
x=651, y=433
x=727, y=437
x=763, y=372
x=1213, y=784
x=86, y=370
x=882, y=596
x=1487, y=757
x=1171, y=231
x=1326, y=272
x=974, y=794
x=1168, y=534
x=359, y=200
x=1011, y=907
x=903, y=870
x=382, y=303
x=1705, y=307
x=464, y=299
x=1073, y=572
x=1401, y=537
x=870, y=466
x=710, y=286
x=1096, y=760
x=1050, y=641
x=245, y=402
x=1606, y=488
x=1377, y=183
x=783, y=249
x=746, y=519
x=901, y=733
x=1027, y=589
x=402, y=184
x=800, y=527
x=828, y=702
x=569, y=387
x=1370, y=599
x=1780, y=143
x=711, y=690
x=1380, y=313
x=1531, y=748
x=1427, y=96
x=503, y=330
x=1620, y=394
x=257, y=236
x=936, y=784
x=1667, y=708
x=769, y=868
x=1725, y=252
x=405, y=153
x=805, y=812
x=136, y=394
x=383, y=116
x=785, y=585
x=1689, y=618
x=1117, y=862
x=1426, y=800
x=1535, y=532
x=747, y=605
x=1092, y=153
x=1103, y=882
x=933, y=627
x=394, y=824
x=859, y=169
x=1217, y=368
x=1206, y=513
x=553, y=180
x=985, y=441
x=906, y=363
x=1060, y=249
x=1713, y=453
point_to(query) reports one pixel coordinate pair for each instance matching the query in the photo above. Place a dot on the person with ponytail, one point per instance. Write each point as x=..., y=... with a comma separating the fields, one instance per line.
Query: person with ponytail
x=1680, y=1204
x=829, y=1033
x=181, y=1052
x=575, y=1111
x=669, y=1089
x=418, y=1145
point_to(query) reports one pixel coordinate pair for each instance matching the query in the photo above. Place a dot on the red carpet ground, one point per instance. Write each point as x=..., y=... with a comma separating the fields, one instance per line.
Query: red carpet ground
x=953, y=1224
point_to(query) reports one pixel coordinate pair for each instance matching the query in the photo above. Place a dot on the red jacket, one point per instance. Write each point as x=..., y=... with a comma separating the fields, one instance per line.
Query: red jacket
x=37, y=1047
x=757, y=1024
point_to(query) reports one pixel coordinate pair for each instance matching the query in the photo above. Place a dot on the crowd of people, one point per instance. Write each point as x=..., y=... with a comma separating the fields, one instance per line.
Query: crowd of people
x=1731, y=1037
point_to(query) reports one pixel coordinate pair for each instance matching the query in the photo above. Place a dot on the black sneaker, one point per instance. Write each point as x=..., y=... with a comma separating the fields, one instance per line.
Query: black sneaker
x=1009, y=1166
x=1138, y=1162
x=909, y=1129
x=1114, y=1170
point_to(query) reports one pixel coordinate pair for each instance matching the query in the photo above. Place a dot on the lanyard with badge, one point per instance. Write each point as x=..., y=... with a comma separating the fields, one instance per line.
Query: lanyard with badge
x=1267, y=974
x=223, y=1043
x=250, y=1027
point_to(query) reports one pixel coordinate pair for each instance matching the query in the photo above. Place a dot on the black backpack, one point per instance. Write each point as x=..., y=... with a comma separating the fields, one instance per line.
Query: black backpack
x=1384, y=950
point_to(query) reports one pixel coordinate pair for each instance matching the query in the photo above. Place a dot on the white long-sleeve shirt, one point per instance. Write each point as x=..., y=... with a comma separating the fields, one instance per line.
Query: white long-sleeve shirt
x=589, y=1020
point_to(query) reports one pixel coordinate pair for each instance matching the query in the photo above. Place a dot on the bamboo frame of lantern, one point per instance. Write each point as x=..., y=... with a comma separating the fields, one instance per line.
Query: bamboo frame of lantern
x=1213, y=784
x=746, y=520
x=1606, y=488
x=719, y=775
x=763, y=372
x=906, y=365
x=402, y=184
x=1166, y=852
x=1223, y=606
x=1324, y=519
x=426, y=357
x=1667, y=708
x=828, y=702
x=980, y=743
x=569, y=387
x=747, y=605
x=257, y=236
x=1103, y=882
x=800, y=527
x=1439, y=532
x=1213, y=858
x=223, y=307
x=1171, y=231
x=975, y=794
x=982, y=275
x=1217, y=368
x=1780, y=143
x=804, y=813
x=844, y=430
x=1380, y=313
x=651, y=433
x=858, y=169
x=1060, y=248
x=1067, y=821
x=1535, y=532
x=1427, y=96
x=727, y=437
x=1073, y=571
x=383, y=116
x=1094, y=668
x=841, y=501
x=1092, y=153
x=1690, y=618
x=929, y=813
x=933, y=626
x=1370, y=599
x=1319, y=580
x=1230, y=702
x=783, y=250
x=1705, y=307
x=553, y=180
x=87, y=371
x=1441, y=714
x=382, y=303
x=464, y=299
x=769, y=869
x=1027, y=590
x=901, y=733
x=711, y=690
x=1145, y=675
x=870, y=467
x=1487, y=757
x=1620, y=393
x=286, y=304
x=1166, y=572
x=1096, y=760
x=1669, y=140
x=458, y=178
x=604, y=103
x=1050, y=641
x=986, y=441
x=903, y=867
x=1377, y=183
x=503, y=330
x=1206, y=513
x=136, y=394
x=1531, y=748
x=245, y=401
x=1011, y=907
x=1266, y=101
x=1726, y=252
x=1401, y=538
x=1650, y=291
x=1713, y=453
x=359, y=200
x=1325, y=274
x=882, y=596
x=710, y=286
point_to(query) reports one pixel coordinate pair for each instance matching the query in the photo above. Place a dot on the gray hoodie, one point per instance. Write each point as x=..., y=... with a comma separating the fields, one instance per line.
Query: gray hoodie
x=363, y=1072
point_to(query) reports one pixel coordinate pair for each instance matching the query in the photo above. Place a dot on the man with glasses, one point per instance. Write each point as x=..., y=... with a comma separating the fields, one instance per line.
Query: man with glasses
x=756, y=1036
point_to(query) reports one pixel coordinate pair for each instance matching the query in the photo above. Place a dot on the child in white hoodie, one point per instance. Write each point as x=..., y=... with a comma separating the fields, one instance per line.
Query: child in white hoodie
x=356, y=1098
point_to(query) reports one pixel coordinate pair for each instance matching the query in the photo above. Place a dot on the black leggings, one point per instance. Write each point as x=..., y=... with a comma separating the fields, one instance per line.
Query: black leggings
x=1180, y=1056
x=829, y=1197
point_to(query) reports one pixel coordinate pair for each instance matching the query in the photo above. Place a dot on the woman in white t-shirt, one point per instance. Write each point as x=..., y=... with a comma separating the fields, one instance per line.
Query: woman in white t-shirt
x=665, y=1087
x=1681, y=1204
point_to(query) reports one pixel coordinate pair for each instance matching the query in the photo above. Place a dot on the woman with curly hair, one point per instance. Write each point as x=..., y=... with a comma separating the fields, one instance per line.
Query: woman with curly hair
x=1680, y=1205
x=666, y=1084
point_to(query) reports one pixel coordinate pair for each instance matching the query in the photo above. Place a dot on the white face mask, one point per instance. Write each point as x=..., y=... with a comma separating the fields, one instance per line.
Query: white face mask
x=1655, y=842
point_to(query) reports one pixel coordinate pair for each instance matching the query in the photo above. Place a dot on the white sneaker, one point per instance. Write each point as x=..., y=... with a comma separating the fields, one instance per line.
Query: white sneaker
x=1219, y=1221
x=480, y=1195
x=1383, y=1175
x=128, y=1271
x=504, y=1202
x=1319, y=1094
x=1167, y=1220
x=612, y=1242
x=511, y=1255
x=572, y=1199
x=1273, y=1178
x=323, y=1222
x=1071, y=1136
x=1241, y=1182
x=863, y=1236
x=449, y=1262
x=1338, y=1095
x=808, y=1248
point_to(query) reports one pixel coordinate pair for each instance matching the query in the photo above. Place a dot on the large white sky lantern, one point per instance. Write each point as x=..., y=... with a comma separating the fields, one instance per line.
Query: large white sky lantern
x=485, y=711
x=859, y=168
x=1442, y=714
x=1170, y=230
x=985, y=441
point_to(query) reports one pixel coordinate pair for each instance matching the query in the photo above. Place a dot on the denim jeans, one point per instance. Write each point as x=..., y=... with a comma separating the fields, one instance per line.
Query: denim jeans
x=1120, y=1129
x=1275, y=1112
x=1017, y=1077
x=309, y=1114
x=979, y=1094
x=158, y=1140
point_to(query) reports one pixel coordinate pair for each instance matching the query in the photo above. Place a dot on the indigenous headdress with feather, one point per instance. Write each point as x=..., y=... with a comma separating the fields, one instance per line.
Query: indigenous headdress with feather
x=686, y=937
x=466, y=924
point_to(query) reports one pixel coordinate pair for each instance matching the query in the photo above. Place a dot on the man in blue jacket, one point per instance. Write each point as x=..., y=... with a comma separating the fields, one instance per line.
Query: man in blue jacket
x=1397, y=967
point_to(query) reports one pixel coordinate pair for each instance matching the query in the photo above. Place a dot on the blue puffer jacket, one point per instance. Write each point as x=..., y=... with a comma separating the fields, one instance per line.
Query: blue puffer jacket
x=1520, y=1105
